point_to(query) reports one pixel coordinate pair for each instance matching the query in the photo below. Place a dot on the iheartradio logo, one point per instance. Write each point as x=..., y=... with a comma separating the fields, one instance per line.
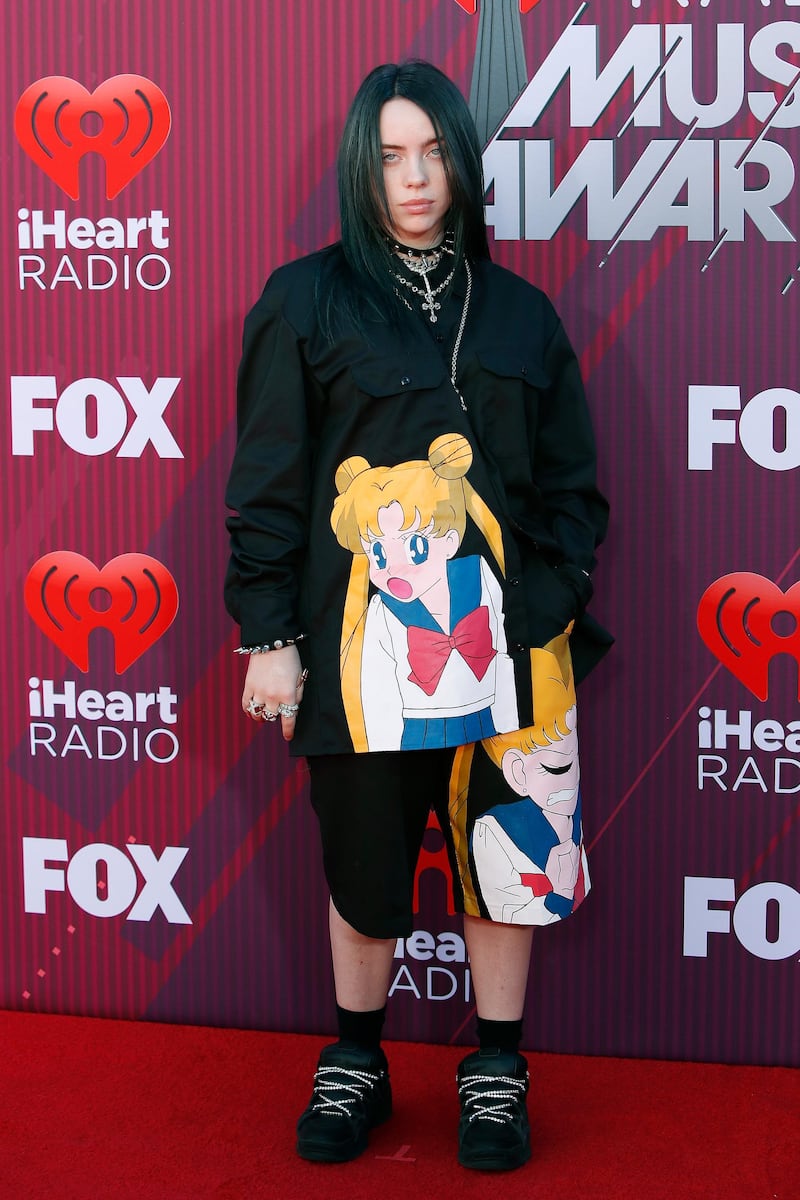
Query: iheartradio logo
x=54, y=118
x=745, y=620
x=133, y=596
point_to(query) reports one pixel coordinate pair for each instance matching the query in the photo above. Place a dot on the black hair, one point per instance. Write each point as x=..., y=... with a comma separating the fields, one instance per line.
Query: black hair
x=362, y=286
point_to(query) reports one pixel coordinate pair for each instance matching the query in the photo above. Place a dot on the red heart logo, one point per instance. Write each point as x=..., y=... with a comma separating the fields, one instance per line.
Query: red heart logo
x=471, y=6
x=50, y=127
x=736, y=618
x=144, y=601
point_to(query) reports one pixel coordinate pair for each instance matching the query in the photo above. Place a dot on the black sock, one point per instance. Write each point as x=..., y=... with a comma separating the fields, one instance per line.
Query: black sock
x=361, y=1028
x=499, y=1035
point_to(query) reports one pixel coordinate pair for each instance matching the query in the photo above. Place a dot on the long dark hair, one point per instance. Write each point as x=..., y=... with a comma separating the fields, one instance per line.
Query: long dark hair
x=362, y=286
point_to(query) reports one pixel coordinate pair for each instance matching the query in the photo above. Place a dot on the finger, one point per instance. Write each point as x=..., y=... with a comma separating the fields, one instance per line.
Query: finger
x=288, y=713
x=259, y=710
x=252, y=708
x=288, y=716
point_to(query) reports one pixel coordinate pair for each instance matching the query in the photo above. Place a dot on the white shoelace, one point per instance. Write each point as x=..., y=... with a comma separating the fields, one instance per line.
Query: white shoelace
x=328, y=1098
x=491, y=1105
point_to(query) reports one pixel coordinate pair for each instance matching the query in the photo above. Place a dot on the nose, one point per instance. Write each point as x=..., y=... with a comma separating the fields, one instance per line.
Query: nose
x=416, y=174
x=396, y=561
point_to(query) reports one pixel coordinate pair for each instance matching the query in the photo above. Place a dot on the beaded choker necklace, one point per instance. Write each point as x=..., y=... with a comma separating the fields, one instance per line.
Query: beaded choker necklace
x=432, y=254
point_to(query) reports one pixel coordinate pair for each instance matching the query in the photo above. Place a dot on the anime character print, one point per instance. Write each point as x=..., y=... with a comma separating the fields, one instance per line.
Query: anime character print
x=423, y=650
x=522, y=860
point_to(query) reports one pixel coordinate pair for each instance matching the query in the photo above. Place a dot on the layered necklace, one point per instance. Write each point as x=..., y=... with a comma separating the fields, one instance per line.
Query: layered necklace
x=422, y=263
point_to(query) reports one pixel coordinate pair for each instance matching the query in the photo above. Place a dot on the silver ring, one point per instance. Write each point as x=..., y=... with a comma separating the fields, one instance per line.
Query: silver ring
x=254, y=707
x=303, y=675
x=288, y=710
x=266, y=715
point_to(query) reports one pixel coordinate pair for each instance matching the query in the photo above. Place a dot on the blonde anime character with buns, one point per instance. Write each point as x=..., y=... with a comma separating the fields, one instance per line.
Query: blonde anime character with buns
x=423, y=660
x=526, y=857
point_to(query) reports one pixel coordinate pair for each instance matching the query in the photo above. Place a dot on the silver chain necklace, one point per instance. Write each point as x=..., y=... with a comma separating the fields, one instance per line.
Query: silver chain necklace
x=459, y=336
x=430, y=304
x=461, y=326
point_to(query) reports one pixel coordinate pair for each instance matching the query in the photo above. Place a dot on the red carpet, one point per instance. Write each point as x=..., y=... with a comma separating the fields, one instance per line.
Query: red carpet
x=137, y=1111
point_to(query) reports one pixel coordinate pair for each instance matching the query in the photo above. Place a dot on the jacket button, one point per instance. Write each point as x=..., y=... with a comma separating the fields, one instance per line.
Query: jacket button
x=520, y=649
x=405, y=381
x=524, y=370
x=513, y=582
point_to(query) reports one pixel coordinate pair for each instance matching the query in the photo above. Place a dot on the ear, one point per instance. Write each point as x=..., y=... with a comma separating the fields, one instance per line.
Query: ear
x=513, y=766
x=453, y=541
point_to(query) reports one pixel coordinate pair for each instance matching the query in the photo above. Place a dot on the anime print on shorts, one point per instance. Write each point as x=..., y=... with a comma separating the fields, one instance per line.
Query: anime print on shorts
x=424, y=662
x=522, y=860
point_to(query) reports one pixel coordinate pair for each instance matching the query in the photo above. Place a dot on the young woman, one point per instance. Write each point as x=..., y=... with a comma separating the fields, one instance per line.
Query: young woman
x=416, y=517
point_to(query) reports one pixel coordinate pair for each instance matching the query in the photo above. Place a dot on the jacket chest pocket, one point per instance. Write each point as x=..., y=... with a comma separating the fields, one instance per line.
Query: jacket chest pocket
x=381, y=379
x=506, y=408
x=402, y=405
x=510, y=389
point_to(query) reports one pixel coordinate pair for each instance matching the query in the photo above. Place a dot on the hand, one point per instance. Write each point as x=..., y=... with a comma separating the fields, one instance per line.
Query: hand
x=274, y=678
x=563, y=863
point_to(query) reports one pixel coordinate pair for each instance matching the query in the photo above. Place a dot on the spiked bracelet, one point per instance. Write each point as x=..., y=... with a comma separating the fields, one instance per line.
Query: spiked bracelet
x=278, y=644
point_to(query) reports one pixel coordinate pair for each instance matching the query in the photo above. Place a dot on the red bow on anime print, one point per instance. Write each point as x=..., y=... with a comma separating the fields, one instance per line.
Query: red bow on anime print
x=429, y=650
x=471, y=6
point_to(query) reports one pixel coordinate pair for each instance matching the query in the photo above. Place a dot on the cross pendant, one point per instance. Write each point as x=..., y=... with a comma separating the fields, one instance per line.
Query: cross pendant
x=431, y=307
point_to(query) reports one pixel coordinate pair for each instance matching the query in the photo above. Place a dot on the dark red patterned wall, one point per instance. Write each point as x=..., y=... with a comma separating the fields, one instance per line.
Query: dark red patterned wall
x=690, y=943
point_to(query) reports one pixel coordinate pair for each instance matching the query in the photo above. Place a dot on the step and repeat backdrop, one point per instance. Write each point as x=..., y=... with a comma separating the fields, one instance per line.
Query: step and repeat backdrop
x=159, y=858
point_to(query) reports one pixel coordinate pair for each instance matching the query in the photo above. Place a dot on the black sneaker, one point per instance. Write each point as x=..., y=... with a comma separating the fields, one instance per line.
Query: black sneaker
x=493, y=1133
x=351, y=1095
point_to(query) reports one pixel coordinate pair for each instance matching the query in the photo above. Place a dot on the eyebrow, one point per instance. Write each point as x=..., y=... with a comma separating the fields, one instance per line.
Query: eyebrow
x=434, y=141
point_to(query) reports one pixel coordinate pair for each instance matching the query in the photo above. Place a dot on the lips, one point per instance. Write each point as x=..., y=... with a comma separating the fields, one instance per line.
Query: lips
x=417, y=206
x=561, y=797
x=400, y=588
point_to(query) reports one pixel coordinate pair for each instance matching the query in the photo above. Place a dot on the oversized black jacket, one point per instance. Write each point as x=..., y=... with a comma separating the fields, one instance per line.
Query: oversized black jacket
x=308, y=408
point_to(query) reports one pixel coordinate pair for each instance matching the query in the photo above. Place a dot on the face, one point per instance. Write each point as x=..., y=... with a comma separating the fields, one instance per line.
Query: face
x=407, y=563
x=549, y=777
x=413, y=174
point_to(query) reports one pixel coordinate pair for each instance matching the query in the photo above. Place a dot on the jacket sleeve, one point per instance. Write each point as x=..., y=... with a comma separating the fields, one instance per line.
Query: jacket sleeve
x=564, y=465
x=268, y=487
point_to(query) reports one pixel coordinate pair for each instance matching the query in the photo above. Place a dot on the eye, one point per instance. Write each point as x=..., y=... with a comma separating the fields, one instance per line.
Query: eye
x=379, y=555
x=556, y=770
x=389, y=156
x=436, y=152
x=417, y=549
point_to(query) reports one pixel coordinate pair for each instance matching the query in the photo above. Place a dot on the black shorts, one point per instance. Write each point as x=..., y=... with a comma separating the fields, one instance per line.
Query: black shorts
x=513, y=859
x=373, y=810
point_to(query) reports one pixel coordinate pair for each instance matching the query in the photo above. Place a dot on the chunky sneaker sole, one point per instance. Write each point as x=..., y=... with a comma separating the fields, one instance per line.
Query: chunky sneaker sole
x=493, y=1133
x=352, y=1094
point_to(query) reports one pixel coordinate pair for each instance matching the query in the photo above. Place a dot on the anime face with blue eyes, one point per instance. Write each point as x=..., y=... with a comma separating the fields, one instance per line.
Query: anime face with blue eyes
x=411, y=563
x=549, y=776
